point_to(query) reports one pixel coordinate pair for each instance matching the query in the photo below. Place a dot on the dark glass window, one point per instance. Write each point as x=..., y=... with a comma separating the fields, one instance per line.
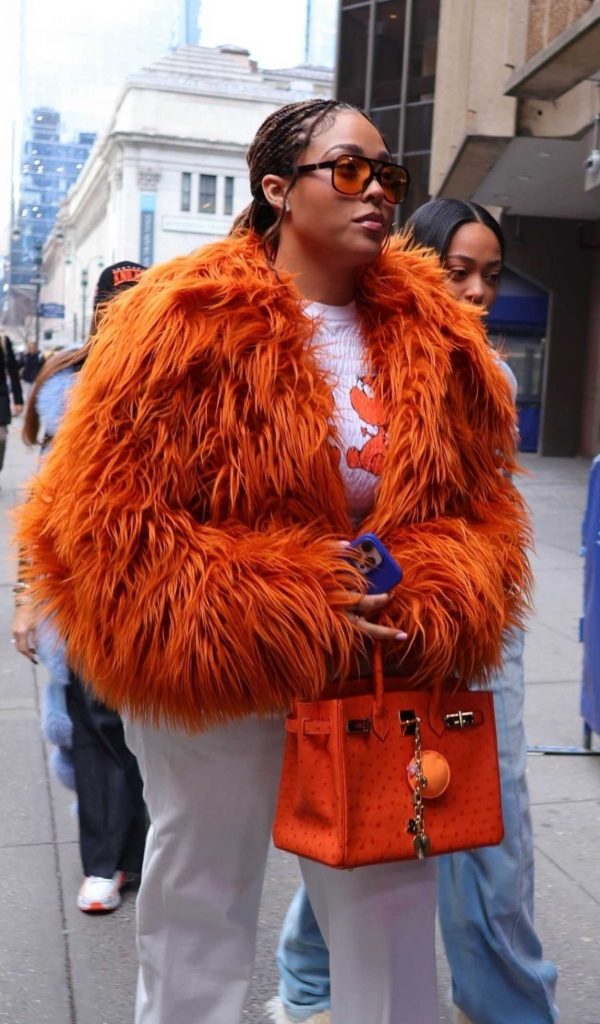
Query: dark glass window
x=228, y=200
x=419, y=123
x=388, y=121
x=423, y=50
x=186, y=191
x=418, y=192
x=353, y=55
x=387, y=54
x=207, y=202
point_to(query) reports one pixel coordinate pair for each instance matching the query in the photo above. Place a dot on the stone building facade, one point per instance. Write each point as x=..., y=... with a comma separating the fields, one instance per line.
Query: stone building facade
x=169, y=174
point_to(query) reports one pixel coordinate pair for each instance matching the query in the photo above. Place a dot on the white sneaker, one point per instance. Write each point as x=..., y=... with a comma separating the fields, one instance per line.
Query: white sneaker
x=99, y=895
x=277, y=1012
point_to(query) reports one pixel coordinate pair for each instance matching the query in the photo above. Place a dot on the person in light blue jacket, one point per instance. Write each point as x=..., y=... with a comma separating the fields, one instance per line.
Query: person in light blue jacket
x=485, y=896
x=88, y=750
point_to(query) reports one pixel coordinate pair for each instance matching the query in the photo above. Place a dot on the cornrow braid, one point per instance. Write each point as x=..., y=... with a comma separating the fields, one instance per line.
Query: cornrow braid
x=275, y=149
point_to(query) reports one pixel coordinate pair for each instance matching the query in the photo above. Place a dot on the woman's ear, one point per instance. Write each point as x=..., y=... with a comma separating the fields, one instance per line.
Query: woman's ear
x=274, y=186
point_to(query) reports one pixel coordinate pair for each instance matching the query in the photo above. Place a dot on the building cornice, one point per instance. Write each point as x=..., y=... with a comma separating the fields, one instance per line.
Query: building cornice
x=160, y=139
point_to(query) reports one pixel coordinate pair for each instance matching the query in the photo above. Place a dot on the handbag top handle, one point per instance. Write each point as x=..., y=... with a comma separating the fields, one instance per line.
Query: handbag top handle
x=379, y=689
x=378, y=684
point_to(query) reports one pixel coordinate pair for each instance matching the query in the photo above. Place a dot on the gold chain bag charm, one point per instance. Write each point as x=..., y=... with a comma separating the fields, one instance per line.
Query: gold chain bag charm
x=416, y=825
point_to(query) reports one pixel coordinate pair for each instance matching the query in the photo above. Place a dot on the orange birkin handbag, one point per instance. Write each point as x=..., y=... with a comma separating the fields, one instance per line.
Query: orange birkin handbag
x=389, y=775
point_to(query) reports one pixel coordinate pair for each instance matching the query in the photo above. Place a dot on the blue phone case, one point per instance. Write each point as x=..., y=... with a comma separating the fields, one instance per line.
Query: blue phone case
x=381, y=577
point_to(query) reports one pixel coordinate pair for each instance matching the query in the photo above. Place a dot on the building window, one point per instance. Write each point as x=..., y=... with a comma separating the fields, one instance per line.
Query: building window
x=228, y=201
x=423, y=51
x=186, y=191
x=208, y=193
x=353, y=55
x=388, y=51
x=400, y=100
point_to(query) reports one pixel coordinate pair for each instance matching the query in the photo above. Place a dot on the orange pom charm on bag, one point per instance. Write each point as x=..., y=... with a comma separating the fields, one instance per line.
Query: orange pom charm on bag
x=389, y=775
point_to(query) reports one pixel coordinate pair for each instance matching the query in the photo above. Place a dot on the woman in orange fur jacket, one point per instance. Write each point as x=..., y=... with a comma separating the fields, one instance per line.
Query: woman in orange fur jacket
x=185, y=533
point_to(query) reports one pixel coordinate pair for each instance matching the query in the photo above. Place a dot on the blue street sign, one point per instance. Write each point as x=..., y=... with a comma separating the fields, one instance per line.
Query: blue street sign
x=52, y=310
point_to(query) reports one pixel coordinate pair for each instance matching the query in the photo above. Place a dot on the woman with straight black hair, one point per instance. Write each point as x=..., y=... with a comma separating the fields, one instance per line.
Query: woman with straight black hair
x=435, y=224
x=90, y=755
x=486, y=896
x=196, y=567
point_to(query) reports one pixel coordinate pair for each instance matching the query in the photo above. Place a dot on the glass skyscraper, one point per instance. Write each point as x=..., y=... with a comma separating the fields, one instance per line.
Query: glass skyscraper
x=49, y=166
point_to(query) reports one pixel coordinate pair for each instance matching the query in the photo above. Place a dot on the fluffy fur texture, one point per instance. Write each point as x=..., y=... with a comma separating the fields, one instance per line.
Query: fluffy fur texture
x=184, y=530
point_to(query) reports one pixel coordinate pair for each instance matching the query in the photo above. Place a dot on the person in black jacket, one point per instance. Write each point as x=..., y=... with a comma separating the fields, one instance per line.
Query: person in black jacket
x=32, y=363
x=9, y=375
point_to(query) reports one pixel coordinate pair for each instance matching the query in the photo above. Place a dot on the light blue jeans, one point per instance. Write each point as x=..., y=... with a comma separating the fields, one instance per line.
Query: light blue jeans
x=485, y=903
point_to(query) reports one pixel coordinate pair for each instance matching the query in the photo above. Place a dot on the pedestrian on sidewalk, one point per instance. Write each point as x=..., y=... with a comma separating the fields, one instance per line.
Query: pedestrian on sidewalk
x=9, y=385
x=33, y=361
x=495, y=955
x=195, y=564
x=90, y=753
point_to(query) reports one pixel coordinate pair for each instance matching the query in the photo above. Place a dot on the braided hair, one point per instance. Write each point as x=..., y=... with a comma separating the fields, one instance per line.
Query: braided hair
x=275, y=149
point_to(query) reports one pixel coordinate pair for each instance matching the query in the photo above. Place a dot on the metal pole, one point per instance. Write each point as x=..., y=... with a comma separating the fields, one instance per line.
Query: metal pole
x=38, y=288
x=370, y=58
x=403, y=96
x=84, y=282
x=37, y=281
x=404, y=79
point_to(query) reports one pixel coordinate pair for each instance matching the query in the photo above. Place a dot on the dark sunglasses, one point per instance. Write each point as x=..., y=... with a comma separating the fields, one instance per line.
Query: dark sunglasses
x=351, y=175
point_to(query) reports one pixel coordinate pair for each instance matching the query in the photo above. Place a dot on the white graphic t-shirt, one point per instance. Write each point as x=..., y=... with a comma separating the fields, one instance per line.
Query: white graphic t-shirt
x=340, y=349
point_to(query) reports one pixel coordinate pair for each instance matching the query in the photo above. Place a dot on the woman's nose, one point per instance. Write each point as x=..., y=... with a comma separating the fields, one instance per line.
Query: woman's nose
x=475, y=291
x=373, y=192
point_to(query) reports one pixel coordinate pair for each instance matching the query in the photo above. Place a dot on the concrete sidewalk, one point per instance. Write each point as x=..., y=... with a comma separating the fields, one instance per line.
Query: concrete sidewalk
x=61, y=967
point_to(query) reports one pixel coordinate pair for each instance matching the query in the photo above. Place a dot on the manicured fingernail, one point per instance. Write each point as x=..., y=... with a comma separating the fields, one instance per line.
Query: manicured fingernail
x=401, y=636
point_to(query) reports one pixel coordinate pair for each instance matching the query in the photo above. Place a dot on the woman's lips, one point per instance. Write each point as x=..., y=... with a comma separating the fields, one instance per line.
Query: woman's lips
x=371, y=221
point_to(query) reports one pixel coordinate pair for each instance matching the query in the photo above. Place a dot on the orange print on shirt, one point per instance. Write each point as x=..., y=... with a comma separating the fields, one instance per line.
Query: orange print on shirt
x=367, y=405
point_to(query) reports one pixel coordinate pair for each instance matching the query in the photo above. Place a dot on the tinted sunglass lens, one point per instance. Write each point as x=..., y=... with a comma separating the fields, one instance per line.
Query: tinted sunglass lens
x=394, y=183
x=350, y=174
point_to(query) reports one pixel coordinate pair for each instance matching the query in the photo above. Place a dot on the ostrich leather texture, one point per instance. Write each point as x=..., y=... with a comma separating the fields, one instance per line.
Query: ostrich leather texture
x=345, y=798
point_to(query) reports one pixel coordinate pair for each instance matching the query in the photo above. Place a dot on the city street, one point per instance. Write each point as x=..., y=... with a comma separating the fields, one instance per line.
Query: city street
x=59, y=966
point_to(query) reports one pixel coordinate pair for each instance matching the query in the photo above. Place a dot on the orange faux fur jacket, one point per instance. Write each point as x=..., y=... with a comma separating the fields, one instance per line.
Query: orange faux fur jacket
x=184, y=530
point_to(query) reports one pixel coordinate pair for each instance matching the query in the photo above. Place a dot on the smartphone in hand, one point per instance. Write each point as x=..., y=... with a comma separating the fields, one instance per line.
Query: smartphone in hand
x=375, y=563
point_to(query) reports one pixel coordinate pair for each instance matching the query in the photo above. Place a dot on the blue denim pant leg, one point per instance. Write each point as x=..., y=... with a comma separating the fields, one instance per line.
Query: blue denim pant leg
x=303, y=961
x=486, y=895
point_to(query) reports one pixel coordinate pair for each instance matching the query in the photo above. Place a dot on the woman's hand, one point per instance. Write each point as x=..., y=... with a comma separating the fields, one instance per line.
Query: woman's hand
x=23, y=631
x=371, y=604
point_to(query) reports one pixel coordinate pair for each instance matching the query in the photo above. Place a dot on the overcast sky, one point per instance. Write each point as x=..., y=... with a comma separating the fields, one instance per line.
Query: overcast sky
x=76, y=54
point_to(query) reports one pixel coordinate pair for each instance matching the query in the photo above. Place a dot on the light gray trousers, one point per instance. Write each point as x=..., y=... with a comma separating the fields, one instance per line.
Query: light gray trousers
x=211, y=799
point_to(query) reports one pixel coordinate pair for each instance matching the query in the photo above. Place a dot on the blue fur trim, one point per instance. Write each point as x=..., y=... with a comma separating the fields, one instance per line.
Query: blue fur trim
x=51, y=651
x=61, y=763
x=52, y=398
x=57, y=726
